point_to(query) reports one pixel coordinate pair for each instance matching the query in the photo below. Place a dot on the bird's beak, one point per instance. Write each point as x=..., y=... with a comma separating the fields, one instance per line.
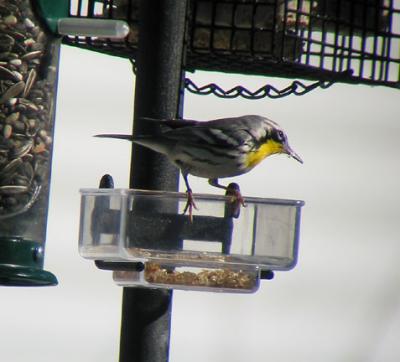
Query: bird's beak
x=293, y=154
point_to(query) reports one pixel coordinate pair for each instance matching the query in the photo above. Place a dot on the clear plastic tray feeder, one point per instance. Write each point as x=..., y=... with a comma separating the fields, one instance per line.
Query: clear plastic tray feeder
x=215, y=252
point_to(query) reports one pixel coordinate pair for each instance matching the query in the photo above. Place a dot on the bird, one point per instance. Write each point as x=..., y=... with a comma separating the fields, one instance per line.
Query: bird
x=220, y=148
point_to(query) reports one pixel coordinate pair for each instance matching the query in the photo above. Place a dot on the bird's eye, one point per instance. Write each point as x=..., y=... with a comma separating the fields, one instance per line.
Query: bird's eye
x=280, y=136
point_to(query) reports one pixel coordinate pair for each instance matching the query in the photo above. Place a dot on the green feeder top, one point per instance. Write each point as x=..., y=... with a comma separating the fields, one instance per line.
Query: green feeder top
x=56, y=15
x=51, y=11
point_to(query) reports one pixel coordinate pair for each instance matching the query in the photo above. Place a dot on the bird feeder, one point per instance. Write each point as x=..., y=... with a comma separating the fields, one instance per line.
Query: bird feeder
x=142, y=235
x=341, y=40
x=29, y=50
x=218, y=250
x=28, y=77
x=336, y=41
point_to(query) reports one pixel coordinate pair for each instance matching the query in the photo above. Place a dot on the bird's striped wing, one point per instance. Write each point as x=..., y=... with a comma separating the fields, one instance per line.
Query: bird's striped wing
x=211, y=134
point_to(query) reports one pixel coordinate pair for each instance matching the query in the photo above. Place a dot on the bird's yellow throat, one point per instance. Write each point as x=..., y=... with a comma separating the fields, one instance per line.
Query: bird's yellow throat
x=266, y=149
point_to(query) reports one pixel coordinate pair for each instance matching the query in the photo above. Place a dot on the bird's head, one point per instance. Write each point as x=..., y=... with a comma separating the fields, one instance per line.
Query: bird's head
x=271, y=140
x=279, y=141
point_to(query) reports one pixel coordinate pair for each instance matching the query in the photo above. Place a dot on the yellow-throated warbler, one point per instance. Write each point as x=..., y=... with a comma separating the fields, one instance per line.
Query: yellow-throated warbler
x=215, y=149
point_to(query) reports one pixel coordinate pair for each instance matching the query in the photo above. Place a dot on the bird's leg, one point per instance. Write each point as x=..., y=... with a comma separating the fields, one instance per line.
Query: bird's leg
x=232, y=190
x=214, y=182
x=190, y=204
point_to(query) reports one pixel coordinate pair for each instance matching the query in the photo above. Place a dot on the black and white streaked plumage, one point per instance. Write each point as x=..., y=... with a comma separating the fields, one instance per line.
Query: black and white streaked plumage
x=216, y=149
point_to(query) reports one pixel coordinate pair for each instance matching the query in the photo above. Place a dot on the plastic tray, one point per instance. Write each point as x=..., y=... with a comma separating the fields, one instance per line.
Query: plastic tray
x=121, y=225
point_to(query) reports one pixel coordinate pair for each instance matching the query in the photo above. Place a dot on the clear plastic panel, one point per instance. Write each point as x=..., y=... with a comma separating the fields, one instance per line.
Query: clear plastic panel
x=28, y=77
x=157, y=275
x=133, y=225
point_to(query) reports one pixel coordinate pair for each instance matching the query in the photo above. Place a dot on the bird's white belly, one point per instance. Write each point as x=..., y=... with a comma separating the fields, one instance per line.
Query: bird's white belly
x=209, y=168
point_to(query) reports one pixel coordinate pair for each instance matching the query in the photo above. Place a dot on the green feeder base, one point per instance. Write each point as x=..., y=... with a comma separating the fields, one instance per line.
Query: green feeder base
x=21, y=264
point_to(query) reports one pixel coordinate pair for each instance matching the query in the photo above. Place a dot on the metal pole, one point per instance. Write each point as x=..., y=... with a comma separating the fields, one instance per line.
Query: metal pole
x=146, y=313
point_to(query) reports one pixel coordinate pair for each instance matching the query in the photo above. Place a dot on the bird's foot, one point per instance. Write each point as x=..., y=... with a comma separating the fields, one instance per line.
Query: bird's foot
x=236, y=200
x=190, y=204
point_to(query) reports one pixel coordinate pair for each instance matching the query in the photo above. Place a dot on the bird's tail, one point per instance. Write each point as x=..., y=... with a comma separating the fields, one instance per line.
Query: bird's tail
x=171, y=123
x=120, y=136
x=155, y=143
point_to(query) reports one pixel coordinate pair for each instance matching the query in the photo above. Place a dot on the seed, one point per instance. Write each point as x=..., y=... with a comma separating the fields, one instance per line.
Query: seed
x=48, y=141
x=16, y=62
x=41, y=38
x=6, y=42
x=37, y=46
x=28, y=170
x=29, y=42
x=30, y=80
x=23, y=68
x=37, y=93
x=23, y=150
x=12, y=117
x=38, y=100
x=12, y=102
x=32, y=55
x=3, y=159
x=7, y=131
x=13, y=189
x=35, y=31
x=10, y=202
x=6, y=74
x=42, y=134
x=32, y=123
x=10, y=168
x=28, y=104
x=29, y=23
x=18, y=76
x=6, y=55
x=21, y=180
x=19, y=126
x=16, y=35
x=39, y=148
x=12, y=91
x=28, y=157
x=10, y=20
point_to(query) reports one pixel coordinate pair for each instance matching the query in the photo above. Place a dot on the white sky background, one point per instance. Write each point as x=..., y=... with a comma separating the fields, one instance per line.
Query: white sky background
x=341, y=302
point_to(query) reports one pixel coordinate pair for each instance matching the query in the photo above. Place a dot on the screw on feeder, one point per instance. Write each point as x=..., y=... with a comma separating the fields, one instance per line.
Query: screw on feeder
x=28, y=77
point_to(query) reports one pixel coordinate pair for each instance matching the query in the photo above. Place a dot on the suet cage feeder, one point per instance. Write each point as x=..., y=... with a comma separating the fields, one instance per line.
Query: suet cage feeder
x=351, y=41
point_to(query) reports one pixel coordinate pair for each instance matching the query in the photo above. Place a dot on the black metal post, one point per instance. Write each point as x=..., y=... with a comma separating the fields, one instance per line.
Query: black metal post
x=146, y=313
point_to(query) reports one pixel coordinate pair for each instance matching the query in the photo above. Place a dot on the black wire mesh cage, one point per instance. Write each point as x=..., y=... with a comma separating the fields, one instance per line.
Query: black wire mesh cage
x=353, y=41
